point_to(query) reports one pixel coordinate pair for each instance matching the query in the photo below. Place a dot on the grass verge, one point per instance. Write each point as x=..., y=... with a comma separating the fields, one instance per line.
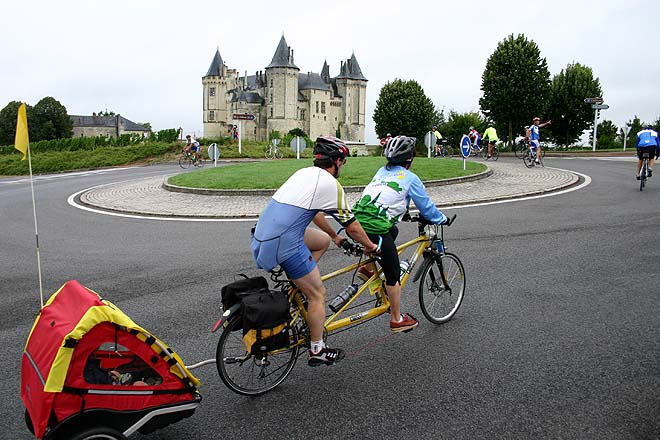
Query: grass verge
x=358, y=171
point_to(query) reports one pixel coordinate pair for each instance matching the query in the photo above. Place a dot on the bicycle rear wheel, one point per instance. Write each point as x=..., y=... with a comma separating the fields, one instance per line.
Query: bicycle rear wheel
x=496, y=154
x=528, y=160
x=247, y=374
x=185, y=161
x=520, y=150
x=269, y=153
x=278, y=154
x=441, y=287
x=642, y=176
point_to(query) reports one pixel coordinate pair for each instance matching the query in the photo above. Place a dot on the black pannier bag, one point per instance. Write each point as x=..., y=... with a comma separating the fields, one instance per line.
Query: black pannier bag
x=231, y=292
x=265, y=320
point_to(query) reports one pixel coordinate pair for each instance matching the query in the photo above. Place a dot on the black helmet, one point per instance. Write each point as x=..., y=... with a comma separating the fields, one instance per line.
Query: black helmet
x=400, y=149
x=330, y=147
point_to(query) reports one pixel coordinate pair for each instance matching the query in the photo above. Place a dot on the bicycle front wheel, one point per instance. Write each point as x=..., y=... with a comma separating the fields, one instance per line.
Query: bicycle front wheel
x=184, y=162
x=278, y=154
x=200, y=162
x=496, y=154
x=441, y=287
x=528, y=160
x=245, y=373
x=269, y=153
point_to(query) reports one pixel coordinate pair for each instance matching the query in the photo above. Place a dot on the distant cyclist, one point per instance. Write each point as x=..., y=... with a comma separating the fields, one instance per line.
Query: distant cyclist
x=475, y=137
x=192, y=146
x=491, y=135
x=533, y=136
x=438, y=141
x=647, y=142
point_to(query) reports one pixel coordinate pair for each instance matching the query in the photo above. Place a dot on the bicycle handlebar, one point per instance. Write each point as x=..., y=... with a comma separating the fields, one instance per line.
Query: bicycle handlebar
x=355, y=249
x=422, y=221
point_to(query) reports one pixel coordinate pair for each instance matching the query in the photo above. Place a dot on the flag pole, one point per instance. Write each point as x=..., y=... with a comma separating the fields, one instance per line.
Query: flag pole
x=36, y=230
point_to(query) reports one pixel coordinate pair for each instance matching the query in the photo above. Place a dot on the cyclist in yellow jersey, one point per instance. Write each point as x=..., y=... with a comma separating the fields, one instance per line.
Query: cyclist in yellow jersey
x=491, y=135
x=438, y=141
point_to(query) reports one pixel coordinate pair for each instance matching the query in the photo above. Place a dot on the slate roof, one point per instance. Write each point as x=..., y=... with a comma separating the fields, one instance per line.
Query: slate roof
x=216, y=65
x=249, y=97
x=312, y=81
x=105, y=121
x=351, y=70
x=281, y=57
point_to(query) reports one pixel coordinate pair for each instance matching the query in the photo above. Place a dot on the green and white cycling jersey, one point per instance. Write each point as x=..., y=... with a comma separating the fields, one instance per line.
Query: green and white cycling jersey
x=386, y=199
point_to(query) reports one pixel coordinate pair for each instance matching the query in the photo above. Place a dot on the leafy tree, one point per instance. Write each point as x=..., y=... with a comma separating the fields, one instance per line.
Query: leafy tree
x=146, y=125
x=458, y=124
x=106, y=113
x=8, y=117
x=50, y=110
x=570, y=115
x=297, y=132
x=607, y=135
x=403, y=108
x=516, y=85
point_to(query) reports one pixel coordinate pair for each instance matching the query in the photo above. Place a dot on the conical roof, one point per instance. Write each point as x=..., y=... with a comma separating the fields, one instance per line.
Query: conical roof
x=216, y=65
x=325, y=72
x=283, y=56
x=351, y=70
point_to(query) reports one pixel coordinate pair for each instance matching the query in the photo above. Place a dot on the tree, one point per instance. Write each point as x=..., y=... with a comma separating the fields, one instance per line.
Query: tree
x=146, y=125
x=403, y=108
x=51, y=120
x=516, y=85
x=607, y=135
x=458, y=124
x=8, y=117
x=106, y=113
x=569, y=113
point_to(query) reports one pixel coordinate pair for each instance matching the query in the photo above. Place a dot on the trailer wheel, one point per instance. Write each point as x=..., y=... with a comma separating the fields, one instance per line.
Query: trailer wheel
x=99, y=433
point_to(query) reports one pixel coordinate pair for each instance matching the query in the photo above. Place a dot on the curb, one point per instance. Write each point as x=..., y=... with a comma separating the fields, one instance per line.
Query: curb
x=270, y=192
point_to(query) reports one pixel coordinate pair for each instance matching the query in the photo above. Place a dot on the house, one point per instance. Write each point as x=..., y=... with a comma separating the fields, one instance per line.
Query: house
x=114, y=126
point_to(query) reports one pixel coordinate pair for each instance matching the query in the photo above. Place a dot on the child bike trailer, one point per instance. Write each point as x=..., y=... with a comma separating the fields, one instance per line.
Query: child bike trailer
x=89, y=372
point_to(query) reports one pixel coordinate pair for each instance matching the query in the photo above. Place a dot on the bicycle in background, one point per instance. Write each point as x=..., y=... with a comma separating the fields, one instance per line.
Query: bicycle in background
x=272, y=152
x=189, y=158
x=643, y=173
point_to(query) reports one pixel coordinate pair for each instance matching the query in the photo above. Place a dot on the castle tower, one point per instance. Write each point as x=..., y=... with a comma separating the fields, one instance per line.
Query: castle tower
x=352, y=86
x=282, y=90
x=217, y=82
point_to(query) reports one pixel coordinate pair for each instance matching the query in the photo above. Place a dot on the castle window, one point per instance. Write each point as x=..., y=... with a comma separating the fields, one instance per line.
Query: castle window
x=271, y=83
x=211, y=115
x=323, y=107
x=212, y=91
x=271, y=112
x=317, y=106
x=302, y=114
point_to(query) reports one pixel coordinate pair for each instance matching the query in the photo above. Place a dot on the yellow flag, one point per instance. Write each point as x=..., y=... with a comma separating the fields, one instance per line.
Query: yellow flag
x=22, y=141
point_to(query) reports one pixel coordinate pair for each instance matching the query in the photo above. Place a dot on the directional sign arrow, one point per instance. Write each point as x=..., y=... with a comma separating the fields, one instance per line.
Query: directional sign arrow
x=600, y=106
x=595, y=100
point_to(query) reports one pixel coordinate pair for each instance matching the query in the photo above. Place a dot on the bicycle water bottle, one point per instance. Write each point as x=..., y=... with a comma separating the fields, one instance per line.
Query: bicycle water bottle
x=343, y=297
x=405, y=265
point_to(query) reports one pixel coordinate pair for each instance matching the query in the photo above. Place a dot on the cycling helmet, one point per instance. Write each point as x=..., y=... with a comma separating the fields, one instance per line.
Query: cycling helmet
x=400, y=149
x=330, y=147
x=471, y=128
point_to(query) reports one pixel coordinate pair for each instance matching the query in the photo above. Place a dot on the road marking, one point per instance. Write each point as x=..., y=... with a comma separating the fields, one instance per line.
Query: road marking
x=64, y=175
x=71, y=200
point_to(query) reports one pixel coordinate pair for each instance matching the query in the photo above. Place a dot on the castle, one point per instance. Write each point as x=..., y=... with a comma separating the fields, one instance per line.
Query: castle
x=282, y=98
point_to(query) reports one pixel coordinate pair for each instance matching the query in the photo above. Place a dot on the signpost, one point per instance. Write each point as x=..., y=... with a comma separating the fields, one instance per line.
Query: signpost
x=626, y=130
x=429, y=139
x=597, y=104
x=465, y=148
x=297, y=144
x=214, y=153
x=240, y=117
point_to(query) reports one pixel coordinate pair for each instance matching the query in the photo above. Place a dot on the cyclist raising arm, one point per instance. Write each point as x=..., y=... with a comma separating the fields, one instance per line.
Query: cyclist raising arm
x=533, y=135
x=384, y=201
x=282, y=236
x=647, y=142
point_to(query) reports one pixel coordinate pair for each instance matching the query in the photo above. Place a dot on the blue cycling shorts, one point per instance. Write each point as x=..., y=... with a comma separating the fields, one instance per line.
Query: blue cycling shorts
x=299, y=264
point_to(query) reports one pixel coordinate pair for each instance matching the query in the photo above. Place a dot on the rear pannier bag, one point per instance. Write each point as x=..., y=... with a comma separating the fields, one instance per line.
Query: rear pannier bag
x=232, y=292
x=265, y=320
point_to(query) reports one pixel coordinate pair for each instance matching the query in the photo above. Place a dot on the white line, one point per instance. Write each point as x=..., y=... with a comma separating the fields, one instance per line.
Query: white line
x=72, y=202
x=64, y=175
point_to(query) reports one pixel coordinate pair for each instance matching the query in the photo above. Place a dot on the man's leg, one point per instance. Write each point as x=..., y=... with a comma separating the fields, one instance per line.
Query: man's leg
x=314, y=290
x=317, y=241
x=639, y=166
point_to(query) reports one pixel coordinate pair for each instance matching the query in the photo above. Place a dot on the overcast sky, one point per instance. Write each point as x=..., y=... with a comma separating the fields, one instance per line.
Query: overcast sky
x=145, y=59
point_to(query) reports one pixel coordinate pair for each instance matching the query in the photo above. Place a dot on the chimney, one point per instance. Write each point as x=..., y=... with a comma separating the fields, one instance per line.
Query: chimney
x=291, y=59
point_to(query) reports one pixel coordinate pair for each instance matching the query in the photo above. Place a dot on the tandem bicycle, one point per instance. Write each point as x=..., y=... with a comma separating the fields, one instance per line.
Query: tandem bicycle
x=441, y=289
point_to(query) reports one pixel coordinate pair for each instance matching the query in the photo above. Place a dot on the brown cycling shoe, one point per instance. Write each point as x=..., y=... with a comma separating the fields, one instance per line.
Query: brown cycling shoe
x=406, y=324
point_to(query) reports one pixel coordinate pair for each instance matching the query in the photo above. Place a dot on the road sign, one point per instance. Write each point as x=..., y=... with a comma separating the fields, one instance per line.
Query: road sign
x=596, y=100
x=243, y=117
x=276, y=141
x=465, y=146
x=600, y=106
x=214, y=151
x=429, y=138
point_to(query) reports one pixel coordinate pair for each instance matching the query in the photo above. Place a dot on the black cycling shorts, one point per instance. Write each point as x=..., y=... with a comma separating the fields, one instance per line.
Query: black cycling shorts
x=389, y=259
x=650, y=150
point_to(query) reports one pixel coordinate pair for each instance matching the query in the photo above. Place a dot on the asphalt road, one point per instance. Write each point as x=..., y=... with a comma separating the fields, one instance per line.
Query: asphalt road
x=557, y=336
